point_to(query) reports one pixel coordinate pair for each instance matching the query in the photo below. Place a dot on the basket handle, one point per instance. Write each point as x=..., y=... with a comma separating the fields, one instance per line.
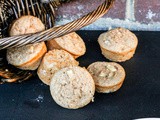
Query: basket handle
x=17, y=41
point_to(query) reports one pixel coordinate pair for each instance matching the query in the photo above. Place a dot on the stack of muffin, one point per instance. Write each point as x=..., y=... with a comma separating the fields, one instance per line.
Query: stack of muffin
x=72, y=86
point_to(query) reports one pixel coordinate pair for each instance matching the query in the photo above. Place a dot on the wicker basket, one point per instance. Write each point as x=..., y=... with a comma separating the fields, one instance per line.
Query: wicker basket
x=20, y=7
x=54, y=32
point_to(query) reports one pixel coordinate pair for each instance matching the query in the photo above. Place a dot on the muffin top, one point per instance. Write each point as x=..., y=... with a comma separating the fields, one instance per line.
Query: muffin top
x=118, y=40
x=106, y=74
x=53, y=61
x=25, y=25
x=71, y=42
x=72, y=87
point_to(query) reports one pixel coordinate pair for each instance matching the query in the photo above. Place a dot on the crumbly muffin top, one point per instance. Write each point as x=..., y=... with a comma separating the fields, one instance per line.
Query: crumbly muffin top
x=106, y=74
x=25, y=25
x=20, y=55
x=53, y=61
x=72, y=87
x=72, y=43
x=118, y=40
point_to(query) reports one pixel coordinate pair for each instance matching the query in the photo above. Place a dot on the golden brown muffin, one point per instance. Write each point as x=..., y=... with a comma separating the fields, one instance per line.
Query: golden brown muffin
x=53, y=61
x=72, y=87
x=72, y=43
x=108, y=76
x=118, y=44
x=27, y=57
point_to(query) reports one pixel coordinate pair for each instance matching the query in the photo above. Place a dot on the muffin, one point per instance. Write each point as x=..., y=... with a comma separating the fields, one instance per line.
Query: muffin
x=53, y=61
x=26, y=25
x=108, y=76
x=71, y=42
x=27, y=57
x=72, y=87
x=118, y=44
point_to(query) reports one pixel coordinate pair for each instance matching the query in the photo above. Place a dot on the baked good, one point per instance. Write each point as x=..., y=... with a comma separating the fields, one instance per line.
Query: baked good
x=118, y=44
x=53, y=61
x=27, y=57
x=72, y=87
x=25, y=25
x=71, y=42
x=108, y=76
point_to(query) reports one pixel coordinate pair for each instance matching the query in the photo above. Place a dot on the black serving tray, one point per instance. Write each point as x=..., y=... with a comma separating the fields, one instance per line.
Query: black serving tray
x=139, y=96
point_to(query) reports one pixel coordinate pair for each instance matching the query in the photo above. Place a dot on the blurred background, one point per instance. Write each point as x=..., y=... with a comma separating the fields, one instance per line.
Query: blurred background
x=139, y=15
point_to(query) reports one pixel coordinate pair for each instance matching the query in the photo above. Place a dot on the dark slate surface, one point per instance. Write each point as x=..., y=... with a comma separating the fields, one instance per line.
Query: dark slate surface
x=139, y=96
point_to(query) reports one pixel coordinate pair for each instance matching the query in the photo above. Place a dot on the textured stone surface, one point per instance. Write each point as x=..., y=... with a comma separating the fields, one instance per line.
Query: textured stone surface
x=118, y=10
x=131, y=14
x=77, y=9
x=147, y=11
